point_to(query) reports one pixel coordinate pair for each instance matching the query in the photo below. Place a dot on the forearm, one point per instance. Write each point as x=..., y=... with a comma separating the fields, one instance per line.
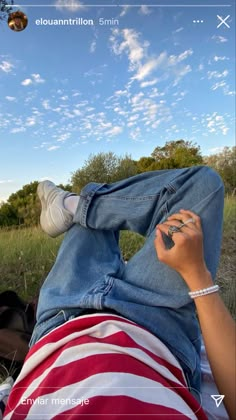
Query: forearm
x=218, y=327
x=218, y=330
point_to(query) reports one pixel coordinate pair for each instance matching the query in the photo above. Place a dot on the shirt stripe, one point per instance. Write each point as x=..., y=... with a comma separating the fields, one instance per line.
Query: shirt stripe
x=116, y=366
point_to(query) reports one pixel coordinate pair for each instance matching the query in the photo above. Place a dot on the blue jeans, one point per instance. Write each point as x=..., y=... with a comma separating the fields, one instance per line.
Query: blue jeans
x=90, y=273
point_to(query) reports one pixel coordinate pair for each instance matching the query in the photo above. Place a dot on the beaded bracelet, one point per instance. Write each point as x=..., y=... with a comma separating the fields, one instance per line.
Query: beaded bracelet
x=203, y=292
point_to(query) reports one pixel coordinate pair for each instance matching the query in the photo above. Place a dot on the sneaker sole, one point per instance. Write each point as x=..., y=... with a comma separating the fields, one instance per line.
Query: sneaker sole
x=41, y=195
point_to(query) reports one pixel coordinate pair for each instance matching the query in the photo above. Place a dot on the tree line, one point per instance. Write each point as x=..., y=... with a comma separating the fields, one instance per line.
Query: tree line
x=23, y=207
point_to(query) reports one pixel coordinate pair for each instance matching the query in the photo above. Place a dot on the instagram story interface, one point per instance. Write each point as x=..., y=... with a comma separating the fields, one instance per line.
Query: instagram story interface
x=133, y=82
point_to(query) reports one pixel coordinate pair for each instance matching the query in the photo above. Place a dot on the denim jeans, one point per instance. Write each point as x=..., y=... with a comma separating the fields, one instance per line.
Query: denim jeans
x=90, y=273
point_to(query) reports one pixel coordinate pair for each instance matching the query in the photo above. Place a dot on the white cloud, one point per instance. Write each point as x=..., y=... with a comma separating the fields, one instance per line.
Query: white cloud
x=220, y=58
x=137, y=97
x=42, y=146
x=105, y=125
x=135, y=134
x=10, y=98
x=226, y=89
x=130, y=44
x=144, y=10
x=124, y=10
x=114, y=131
x=180, y=73
x=128, y=41
x=219, y=39
x=121, y=92
x=77, y=112
x=134, y=117
x=36, y=112
x=218, y=85
x=178, y=30
x=26, y=82
x=71, y=5
x=216, y=74
x=155, y=93
x=6, y=66
x=63, y=137
x=6, y=181
x=175, y=59
x=149, y=83
x=37, y=78
x=216, y=123
x=51, y=148
x=149, y=66
x=92, y=48
x=45, y=104
x=30, y=121
x=17, y=130
x=229, y=92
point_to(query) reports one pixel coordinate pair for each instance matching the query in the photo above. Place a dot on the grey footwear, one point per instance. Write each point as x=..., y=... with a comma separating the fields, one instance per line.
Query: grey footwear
x=54, y=218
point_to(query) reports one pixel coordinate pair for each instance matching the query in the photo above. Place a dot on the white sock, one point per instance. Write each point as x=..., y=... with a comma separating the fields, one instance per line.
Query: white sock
x=71, y=203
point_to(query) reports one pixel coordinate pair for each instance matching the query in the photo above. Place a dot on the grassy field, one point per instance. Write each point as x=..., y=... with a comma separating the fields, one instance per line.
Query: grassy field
x=226, y=272
x=26, y=256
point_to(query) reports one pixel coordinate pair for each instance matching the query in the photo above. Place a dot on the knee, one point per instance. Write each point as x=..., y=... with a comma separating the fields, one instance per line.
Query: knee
x=211, y=179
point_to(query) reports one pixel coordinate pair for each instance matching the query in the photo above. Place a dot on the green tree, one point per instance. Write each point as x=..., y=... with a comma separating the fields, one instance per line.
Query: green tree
x=126, y=167
x=26, y=204
x=8, y=215
x=176, y=154
x=145, y=163
x=225, y=163
x=5, y=9
x=103, y=168
x=23, y=207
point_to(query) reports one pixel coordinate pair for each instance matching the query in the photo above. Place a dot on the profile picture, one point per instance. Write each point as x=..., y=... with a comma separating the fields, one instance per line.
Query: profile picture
x=17, y=21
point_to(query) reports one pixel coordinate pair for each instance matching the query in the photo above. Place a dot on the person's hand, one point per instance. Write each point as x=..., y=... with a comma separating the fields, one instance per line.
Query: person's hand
x=186, y=256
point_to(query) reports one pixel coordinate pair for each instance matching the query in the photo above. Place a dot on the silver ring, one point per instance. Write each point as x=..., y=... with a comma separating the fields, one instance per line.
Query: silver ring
x=191, y=220
x=173, y=229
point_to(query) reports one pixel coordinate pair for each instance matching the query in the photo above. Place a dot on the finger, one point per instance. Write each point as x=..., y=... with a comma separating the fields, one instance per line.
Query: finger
x=181, y=217
x=188, y=228
x=159, y=245
x=185, y=216
x=176, y=216
x=158, y=238
x=177, y=237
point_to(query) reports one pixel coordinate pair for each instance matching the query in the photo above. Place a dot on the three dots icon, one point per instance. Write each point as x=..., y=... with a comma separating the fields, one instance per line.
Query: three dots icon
x=198, y=21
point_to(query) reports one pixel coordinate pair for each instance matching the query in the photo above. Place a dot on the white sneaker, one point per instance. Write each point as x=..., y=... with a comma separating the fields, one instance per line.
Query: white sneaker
x=55, y=219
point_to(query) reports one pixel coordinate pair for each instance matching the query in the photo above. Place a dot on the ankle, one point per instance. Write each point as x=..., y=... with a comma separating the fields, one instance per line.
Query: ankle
x=71, y=203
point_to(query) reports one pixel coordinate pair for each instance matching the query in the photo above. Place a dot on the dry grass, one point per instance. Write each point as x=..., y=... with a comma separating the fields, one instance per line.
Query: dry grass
x=26, y=256
x=226, y=272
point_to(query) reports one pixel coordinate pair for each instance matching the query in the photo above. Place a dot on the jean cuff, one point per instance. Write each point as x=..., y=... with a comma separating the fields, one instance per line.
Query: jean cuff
x=85, y=198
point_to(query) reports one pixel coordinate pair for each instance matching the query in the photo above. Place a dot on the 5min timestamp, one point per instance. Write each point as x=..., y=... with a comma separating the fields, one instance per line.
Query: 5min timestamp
x=108, y=22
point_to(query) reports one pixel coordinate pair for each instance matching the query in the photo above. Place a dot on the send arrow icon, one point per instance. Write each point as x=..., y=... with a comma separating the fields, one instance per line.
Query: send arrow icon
x=218, y=399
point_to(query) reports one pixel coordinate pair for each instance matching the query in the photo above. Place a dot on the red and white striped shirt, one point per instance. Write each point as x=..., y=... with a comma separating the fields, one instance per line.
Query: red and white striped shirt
x=101, y=366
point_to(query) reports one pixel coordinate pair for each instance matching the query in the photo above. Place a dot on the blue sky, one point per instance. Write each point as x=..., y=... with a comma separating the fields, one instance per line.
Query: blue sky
x=71, y=91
